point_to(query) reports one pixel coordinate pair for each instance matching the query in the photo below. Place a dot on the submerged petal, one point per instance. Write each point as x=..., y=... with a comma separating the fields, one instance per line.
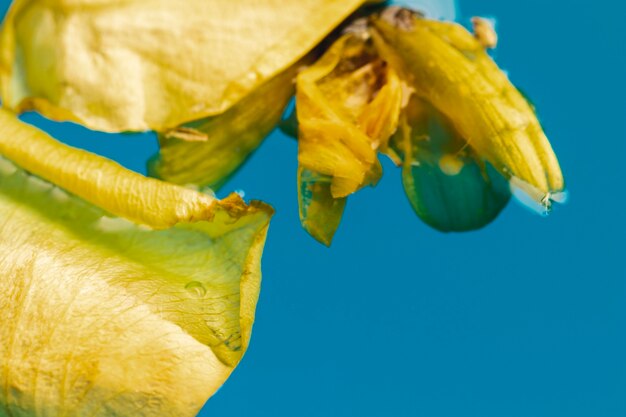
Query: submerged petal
x=320, y=212
x=152, y=64
x=450, y=68
x=448, y=185
x=123, y=295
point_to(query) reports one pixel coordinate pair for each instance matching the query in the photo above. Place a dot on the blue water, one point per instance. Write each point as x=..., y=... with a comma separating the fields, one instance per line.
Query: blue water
x=525, y=318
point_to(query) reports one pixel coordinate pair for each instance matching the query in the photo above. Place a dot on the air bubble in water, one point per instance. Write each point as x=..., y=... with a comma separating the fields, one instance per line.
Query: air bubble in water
x=196, y=288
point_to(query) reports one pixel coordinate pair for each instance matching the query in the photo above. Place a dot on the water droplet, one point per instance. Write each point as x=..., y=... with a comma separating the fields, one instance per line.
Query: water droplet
x=196, y=288
x=241, y=193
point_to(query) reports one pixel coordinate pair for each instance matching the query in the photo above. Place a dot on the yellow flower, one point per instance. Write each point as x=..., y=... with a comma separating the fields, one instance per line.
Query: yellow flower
x=126, y=295
x=213, y=82
x=465, y=132
x=122, y=295
x=449, y=68
x=348, y=105
x=211, y=78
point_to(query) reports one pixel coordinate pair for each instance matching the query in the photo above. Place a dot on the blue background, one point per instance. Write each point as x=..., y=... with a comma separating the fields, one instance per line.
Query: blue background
x=526, y=317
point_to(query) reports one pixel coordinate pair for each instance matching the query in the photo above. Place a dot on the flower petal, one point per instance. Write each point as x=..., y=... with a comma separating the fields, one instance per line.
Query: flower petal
x=152, y=64
x=348, y=104
x=320, y=213
x=123, y=295
x=207, y=152
x=449, y=187
x=449, y=68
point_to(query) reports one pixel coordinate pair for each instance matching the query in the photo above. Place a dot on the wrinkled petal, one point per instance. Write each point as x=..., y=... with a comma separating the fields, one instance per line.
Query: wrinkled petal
x=152, y=64
x=348, y=104
x=320, y=213
x=449, y=187
x=122, y=295
x=449, y=68
x=207, y=152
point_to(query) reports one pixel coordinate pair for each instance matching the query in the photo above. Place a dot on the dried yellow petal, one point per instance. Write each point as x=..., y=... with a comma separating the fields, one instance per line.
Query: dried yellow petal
x=122, y=295
x=152, y=64
x=449, y=68
x=484, y=32
x=206, y=152
x=348, y=104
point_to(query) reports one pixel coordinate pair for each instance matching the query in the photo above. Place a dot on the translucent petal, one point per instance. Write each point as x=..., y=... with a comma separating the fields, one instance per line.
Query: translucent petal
x=449, y=68
x=320, y=213
x=447, y=184
x=122, y=295
x=207, y=152
x=152, y=64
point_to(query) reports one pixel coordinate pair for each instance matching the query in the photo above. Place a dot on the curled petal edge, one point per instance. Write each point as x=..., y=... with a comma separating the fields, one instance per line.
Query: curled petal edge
x=123, y=295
